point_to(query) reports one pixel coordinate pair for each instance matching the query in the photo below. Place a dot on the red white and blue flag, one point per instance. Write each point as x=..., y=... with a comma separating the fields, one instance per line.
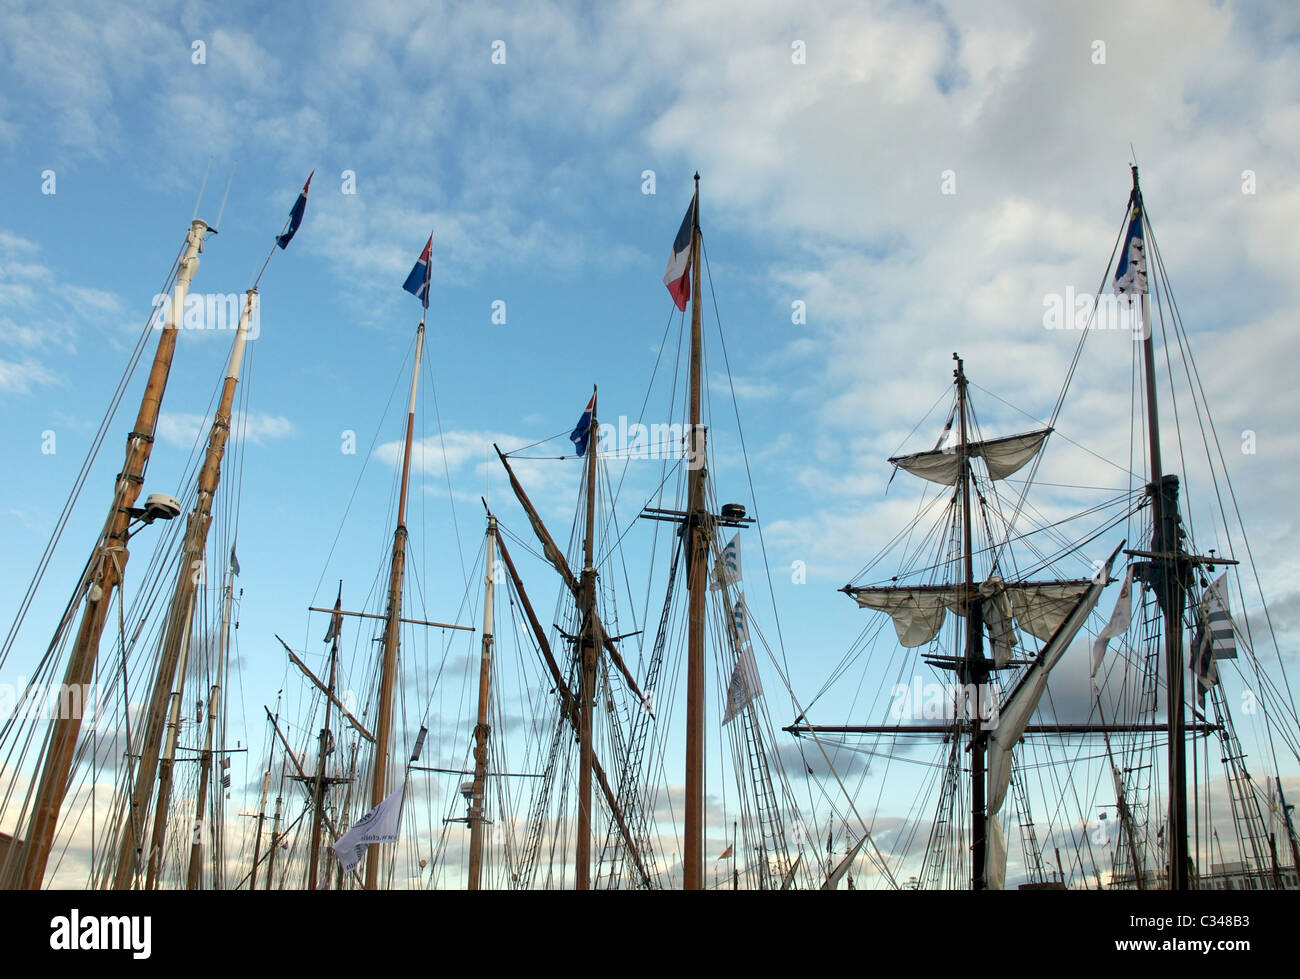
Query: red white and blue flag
x=582, y=431
x=417, y=283
x=295, y=215
x=678, y=276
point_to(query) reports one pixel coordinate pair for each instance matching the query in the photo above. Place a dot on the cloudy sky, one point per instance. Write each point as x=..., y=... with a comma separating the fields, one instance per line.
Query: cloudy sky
x=916, y=178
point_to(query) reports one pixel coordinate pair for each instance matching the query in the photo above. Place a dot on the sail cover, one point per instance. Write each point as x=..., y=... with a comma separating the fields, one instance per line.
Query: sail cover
x=1019, y=708
x=1003, y=457
x=1038, y=607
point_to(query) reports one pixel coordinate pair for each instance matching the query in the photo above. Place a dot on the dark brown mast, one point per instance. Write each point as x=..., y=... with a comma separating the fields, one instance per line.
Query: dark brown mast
x=588, y=648
x=1169, y=573
x=698, y=532
x=326, y=746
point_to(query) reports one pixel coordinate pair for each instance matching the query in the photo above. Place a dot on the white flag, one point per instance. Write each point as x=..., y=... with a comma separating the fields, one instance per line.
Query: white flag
x=727, y=569
x=744, y=687
x=379, y=825
x=1118, y=624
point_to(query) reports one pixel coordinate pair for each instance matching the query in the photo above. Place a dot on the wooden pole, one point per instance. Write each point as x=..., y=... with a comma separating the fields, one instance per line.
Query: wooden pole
x=588, y=648
x=169, y=672
x=481, y=729
x=107, y=564
x=392, y=629
x=697, y=551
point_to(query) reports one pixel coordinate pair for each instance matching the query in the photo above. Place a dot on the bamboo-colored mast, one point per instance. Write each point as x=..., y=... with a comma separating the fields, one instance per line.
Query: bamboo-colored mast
x=169, y=672
x=107, y=565
x=393, y=624
x=205, y=759
x=697, y=551
x=261, y=812
x=481, y=730
x=589, y=649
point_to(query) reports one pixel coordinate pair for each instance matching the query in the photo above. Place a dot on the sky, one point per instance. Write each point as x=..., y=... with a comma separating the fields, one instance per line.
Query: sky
x=882, y=184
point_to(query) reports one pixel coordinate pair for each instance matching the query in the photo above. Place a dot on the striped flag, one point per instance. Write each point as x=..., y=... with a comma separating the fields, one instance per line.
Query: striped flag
x=1223, y=637
x=417, y=283
x=677, y=277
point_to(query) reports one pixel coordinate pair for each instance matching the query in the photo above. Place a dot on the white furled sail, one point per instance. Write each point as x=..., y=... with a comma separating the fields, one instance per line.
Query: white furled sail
x=1037, y=607
x=1003, y=457
x=1016, y=712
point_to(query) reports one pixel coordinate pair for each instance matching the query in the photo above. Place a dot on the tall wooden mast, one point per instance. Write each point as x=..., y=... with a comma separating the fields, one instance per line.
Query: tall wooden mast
x=326, y=746
x=393, y=625
x=698, y=533
x=481, y=729
x=975, y=670
x=170, y=672
x=195, y=875
x=588, y=650
x=106, y=567
x=1170, y=564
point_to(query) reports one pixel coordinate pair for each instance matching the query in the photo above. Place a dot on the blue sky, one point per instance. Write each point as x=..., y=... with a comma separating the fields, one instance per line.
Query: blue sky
x=823, y=134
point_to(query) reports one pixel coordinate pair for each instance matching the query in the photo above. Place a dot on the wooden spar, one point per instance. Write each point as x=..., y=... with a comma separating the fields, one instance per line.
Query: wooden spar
x=1165, y=521
x=372, y=615
x=275, y=832
x=104, y=575
x=976, y=674
x=392, y=628
x=558, y=561
x=205, y=760
x=318, y=784
x=588, y=651
x=167, y=760
x=569, y=709
x=697, y=560
x=187, y=580
x=481, y=729
x=261, y=812
x=324, y=688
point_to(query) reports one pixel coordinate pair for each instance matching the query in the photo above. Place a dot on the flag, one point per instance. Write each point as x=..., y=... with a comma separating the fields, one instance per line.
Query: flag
x=379, y=825
x=417, y=283
x=744, y=687
x=336, y=620
x=1118, y=624
x=726, y=570
x=1207, y=674
x=678, y=275
x=225, y=773
x=1222, y=636
x=738, y=620
x=234, y=561
x=1131, y=272
x=295, y=217
x=725, y=853
x=582, y=431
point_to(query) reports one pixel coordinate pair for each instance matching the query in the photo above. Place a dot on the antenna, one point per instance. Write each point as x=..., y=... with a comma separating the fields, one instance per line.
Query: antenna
x=195, y=215
x=225, y=196
x=1133, y=154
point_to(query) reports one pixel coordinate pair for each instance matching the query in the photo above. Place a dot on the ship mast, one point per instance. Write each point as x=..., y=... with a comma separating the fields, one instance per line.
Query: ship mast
x=1169, y=563
x=176, y=638
x=589, y=647
x=697, y=557
x=326, y=746
x=975, y=669
x=393, y=624
x=481, y=729
x=107, y=566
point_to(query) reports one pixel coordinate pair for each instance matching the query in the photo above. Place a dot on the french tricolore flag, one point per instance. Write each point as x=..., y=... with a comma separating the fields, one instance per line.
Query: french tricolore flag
x=417, y=283
x=678, y=276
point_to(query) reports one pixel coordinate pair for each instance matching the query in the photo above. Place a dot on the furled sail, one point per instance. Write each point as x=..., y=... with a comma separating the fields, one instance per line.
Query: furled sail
x=1019, y=708
x=1037, y=607
x=1003, y=456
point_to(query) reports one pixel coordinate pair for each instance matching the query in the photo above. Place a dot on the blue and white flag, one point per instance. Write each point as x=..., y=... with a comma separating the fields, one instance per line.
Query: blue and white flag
x=745, y=686
x=417, y=283
x=295, y=215
x=1131, y=272
x=726, y=570
x=581, y=433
